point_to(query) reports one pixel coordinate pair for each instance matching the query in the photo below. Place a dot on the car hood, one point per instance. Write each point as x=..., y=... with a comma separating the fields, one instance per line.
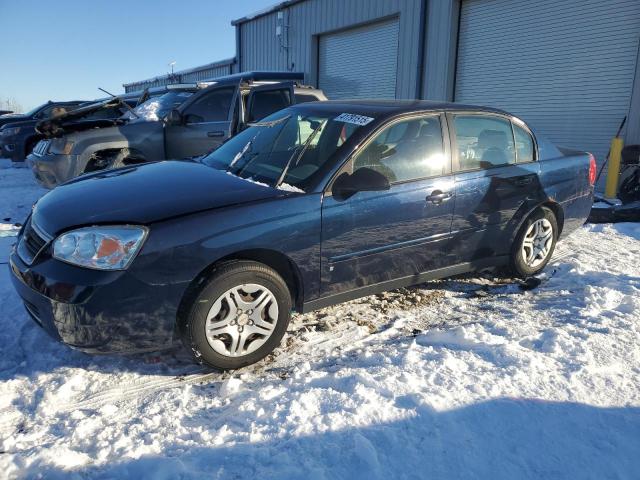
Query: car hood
x=11, y=118
x=143, y=194
x=54, y=126
x=19, y=123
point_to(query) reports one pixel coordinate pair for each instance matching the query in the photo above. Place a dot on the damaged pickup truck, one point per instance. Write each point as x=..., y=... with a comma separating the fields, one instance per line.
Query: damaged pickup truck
x=185, y=122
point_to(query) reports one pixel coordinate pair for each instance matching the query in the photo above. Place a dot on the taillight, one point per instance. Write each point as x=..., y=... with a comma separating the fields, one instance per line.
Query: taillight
x=592, y=169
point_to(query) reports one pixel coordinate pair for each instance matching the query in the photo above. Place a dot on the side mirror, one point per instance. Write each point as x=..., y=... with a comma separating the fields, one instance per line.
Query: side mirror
x=173, y=117
x=362, y=180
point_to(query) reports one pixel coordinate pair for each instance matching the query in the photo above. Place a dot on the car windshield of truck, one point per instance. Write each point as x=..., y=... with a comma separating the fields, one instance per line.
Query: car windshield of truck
x=156, y=108
x=285, y=149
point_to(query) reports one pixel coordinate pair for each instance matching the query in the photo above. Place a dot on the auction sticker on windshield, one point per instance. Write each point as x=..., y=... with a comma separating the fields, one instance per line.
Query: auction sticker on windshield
x=353, y=118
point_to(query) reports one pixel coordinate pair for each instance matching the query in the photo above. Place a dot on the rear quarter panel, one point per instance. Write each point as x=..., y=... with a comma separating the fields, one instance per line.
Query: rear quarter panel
x=565, y=179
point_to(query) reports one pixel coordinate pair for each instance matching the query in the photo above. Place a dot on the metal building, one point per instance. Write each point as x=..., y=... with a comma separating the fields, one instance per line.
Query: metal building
x=197, y=74
x=570, y=68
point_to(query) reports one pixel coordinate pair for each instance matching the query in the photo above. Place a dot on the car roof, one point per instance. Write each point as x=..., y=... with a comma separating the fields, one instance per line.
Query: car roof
x=256, y=76
x=393, y=107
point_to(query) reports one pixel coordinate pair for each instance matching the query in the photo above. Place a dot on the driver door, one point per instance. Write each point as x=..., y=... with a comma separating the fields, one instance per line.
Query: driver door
x=380, y=236
x=206, y=123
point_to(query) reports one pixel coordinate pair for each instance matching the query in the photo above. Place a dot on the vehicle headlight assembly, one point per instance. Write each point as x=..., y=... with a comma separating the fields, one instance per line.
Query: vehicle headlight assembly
x=100, y=248
x=5, y=132
x=61, y=146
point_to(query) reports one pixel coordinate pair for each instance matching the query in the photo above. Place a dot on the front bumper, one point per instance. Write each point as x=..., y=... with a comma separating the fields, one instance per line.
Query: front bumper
x=9, y=148
x=51, y=170
x=97, y=311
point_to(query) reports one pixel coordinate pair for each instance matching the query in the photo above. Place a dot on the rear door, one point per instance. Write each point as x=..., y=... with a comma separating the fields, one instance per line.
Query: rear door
x=374, y=237
x=206, y=123
x=496, y=174
x=264, y=100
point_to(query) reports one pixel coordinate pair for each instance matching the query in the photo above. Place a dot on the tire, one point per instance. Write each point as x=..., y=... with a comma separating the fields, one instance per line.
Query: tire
x=239, y=316
x=535, y=232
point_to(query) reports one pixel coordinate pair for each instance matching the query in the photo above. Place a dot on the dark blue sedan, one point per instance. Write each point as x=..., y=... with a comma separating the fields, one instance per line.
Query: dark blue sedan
x=317, y=204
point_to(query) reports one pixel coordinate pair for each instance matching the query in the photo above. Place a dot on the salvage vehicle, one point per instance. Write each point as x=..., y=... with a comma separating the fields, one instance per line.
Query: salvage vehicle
x=163, y=128
x=17, y=139
x=40, y=112
x=317, y=204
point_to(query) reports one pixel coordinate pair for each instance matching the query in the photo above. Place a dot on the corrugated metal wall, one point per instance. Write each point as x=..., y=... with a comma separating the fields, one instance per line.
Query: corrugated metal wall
x=297, y=48
x=567, y=68
x=372, y=73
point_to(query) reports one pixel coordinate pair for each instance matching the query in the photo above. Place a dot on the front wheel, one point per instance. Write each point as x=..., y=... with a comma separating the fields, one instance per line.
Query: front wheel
x=535, y=243
x=239, y=316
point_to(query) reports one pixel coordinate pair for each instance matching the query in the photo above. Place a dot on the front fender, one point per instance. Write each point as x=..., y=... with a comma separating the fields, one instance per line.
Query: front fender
x=178, y=250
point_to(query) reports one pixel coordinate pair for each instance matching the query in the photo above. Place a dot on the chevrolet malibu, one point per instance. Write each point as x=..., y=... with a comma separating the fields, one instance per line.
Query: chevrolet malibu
x=317, y=204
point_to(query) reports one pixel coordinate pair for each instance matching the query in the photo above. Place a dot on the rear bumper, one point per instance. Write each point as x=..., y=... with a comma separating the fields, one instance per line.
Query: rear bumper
x=576, y=211
x=96, y=311
x=51, y=170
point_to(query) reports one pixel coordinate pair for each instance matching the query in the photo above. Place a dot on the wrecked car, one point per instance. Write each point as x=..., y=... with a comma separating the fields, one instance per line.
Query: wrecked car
x=183, y=123
x=17, y=139
x=317, y=204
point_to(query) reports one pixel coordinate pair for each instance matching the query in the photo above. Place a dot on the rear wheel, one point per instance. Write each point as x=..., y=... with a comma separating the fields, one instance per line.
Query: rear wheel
x=535, y=243
x=239, y=316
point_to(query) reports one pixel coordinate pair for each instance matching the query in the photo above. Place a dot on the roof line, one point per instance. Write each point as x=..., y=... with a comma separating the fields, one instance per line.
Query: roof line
x=265, y=11
x=219, y=63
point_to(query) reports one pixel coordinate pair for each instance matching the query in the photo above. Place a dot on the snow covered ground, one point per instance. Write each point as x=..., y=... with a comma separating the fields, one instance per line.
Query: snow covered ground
x=466, y=378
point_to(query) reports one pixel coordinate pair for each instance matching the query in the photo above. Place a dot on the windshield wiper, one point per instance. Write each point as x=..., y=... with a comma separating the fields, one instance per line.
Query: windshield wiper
x=299, y=156
x=122, y=102
x=271, y=123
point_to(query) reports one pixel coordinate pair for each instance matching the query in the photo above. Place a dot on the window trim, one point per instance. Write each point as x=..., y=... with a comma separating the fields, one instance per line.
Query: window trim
x=515, y=121
x=455, y=157
x=446, y=146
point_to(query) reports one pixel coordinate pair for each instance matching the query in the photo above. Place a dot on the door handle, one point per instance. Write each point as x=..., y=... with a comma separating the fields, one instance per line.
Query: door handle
x=521, y=182
x=217, y=133
x=438, y=196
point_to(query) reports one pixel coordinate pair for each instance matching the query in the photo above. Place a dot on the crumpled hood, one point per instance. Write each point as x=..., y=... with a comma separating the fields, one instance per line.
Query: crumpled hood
x=53, y=126
x=142, y=195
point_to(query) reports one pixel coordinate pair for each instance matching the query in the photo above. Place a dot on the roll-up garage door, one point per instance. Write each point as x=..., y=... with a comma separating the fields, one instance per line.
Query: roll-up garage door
x=359, y=63
x=567, y=68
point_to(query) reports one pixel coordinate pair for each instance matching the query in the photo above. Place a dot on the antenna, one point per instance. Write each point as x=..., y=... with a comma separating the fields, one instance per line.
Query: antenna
x=171, y=64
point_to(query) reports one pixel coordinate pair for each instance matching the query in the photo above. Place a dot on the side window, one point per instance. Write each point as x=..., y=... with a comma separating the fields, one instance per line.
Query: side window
x=266, y=102
x=407, y=150
x=212, y=107
x=483, y=142
x=524, y=144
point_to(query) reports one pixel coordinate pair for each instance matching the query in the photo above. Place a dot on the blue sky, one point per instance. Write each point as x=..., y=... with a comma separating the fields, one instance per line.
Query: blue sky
x=65, y=49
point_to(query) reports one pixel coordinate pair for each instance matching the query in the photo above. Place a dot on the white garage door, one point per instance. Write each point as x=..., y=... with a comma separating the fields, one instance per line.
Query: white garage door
x=359, y=63
x=566, y=67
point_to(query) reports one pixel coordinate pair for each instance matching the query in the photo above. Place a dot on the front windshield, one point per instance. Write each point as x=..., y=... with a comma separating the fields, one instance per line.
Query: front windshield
x=288, y=142
x=156, y=108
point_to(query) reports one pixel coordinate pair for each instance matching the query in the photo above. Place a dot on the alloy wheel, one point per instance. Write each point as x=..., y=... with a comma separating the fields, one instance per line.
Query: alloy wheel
x=537, y=242
x=241, y=320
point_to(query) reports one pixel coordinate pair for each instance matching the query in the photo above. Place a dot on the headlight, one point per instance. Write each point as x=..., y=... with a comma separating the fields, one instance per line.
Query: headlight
x=5, y=132
x=102, y=248
x=61, y=146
